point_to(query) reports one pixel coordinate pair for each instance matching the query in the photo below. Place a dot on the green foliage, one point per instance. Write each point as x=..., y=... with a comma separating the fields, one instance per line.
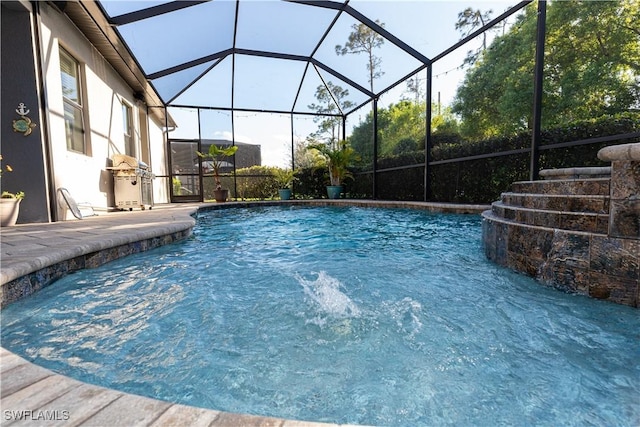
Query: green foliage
x=339, y=159
x=482, y=180
x=401, y=127
x=177, y=186
x=252, y=183
x=402, y=121
x=284, y=177
x=584, y=129
x=591, y=69
x=217, y=155
x=6, y=194
x=256, y=182
x=311, y=183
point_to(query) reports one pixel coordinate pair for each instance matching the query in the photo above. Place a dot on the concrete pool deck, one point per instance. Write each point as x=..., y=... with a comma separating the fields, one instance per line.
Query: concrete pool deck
x=32, y=395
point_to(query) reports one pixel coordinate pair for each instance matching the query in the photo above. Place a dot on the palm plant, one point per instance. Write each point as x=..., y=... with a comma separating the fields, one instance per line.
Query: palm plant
x=338, y=159
x=216, y=155
x=284, y=177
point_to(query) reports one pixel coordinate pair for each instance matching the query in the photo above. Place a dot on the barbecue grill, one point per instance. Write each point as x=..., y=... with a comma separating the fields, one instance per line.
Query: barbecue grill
x=132, y=182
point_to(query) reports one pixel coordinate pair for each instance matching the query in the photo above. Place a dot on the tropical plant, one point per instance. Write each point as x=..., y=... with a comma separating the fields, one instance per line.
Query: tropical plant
x=284, y=177
x=216, y=155
x=6, y=194
x=177, y=186
x=338, y=158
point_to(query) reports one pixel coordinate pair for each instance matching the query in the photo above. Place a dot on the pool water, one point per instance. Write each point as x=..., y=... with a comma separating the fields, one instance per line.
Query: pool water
x=344, y=315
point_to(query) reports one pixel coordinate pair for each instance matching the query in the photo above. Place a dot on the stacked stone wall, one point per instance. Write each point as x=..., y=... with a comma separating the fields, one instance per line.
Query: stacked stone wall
x=604, y=265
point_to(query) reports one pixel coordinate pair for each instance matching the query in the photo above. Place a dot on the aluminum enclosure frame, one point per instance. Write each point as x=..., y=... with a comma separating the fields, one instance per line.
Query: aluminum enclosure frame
x=426, y=63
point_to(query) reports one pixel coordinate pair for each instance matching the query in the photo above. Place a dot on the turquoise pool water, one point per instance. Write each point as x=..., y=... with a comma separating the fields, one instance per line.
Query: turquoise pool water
x=345, y=315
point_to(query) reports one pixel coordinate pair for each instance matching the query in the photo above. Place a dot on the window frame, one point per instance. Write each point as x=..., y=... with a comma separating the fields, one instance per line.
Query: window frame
x=128, y=129
x=73, y=111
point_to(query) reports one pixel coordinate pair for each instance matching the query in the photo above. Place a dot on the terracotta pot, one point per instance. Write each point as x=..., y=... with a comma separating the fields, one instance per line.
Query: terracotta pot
x=221, y=195
x=9, y=209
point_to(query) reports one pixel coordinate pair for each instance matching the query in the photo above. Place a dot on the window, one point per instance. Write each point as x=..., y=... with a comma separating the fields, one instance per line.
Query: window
x=127, y=126
x=72, y=98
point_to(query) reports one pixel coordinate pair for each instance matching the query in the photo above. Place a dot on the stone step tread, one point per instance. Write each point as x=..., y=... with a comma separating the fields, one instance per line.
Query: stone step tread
x=555, y=181
x=595, y=186
x=492, y=217
x=576, y=172
x=558, y=196
x=575, y=221
x=558, y=202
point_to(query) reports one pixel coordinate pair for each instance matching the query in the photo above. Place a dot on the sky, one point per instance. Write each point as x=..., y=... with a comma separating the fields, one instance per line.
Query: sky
x=275, y=84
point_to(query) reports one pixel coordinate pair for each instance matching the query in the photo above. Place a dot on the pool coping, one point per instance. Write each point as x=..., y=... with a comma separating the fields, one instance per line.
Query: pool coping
x=35, y=255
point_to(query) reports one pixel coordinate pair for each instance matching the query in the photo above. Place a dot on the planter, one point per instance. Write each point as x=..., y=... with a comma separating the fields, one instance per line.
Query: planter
x=285, y=193
x=333, y=191
x=221, y=195
x=9, y=209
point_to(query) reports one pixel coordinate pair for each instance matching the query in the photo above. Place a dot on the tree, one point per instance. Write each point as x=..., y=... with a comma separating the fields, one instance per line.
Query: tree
x=303, y=158
x=329, y=126
x=364, y=40
x=445, y=122
x=414, y=87
x=593, y=58
x=401, y=128
x=591, y=69
x=402, y=121
x=468, y=21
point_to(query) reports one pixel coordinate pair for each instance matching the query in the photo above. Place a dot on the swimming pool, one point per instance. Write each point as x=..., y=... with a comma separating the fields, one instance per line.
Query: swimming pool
x=372, y=316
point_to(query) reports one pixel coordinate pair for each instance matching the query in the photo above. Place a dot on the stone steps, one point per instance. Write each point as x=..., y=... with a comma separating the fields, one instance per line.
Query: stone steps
x=577, y=230
x=567, y=204
x=575, y=199
x=558, y=202
x=592, y=186
x=564, y=220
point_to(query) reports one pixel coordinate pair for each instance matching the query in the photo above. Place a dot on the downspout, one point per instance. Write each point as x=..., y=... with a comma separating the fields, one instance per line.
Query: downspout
x=46, y=137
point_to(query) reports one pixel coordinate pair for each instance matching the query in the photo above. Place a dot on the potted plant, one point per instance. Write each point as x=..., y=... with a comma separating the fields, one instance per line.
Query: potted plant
x=338, y=159
x=215, y=156
x=284, y=179
x=9, y=202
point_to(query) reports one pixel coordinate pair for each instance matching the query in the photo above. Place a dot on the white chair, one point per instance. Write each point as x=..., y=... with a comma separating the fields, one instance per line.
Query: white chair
x=79, y=210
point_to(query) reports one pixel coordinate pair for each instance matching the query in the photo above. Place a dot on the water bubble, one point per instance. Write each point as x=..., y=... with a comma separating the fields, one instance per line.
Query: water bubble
x=328, y=297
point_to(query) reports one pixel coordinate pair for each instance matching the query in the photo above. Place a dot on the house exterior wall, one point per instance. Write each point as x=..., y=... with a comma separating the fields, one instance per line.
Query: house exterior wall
x=41, y=161
x=24, y=153
x=104, y=91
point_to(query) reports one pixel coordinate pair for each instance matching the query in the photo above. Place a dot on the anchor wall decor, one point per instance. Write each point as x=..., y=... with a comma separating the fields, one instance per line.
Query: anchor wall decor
x=24, y=124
